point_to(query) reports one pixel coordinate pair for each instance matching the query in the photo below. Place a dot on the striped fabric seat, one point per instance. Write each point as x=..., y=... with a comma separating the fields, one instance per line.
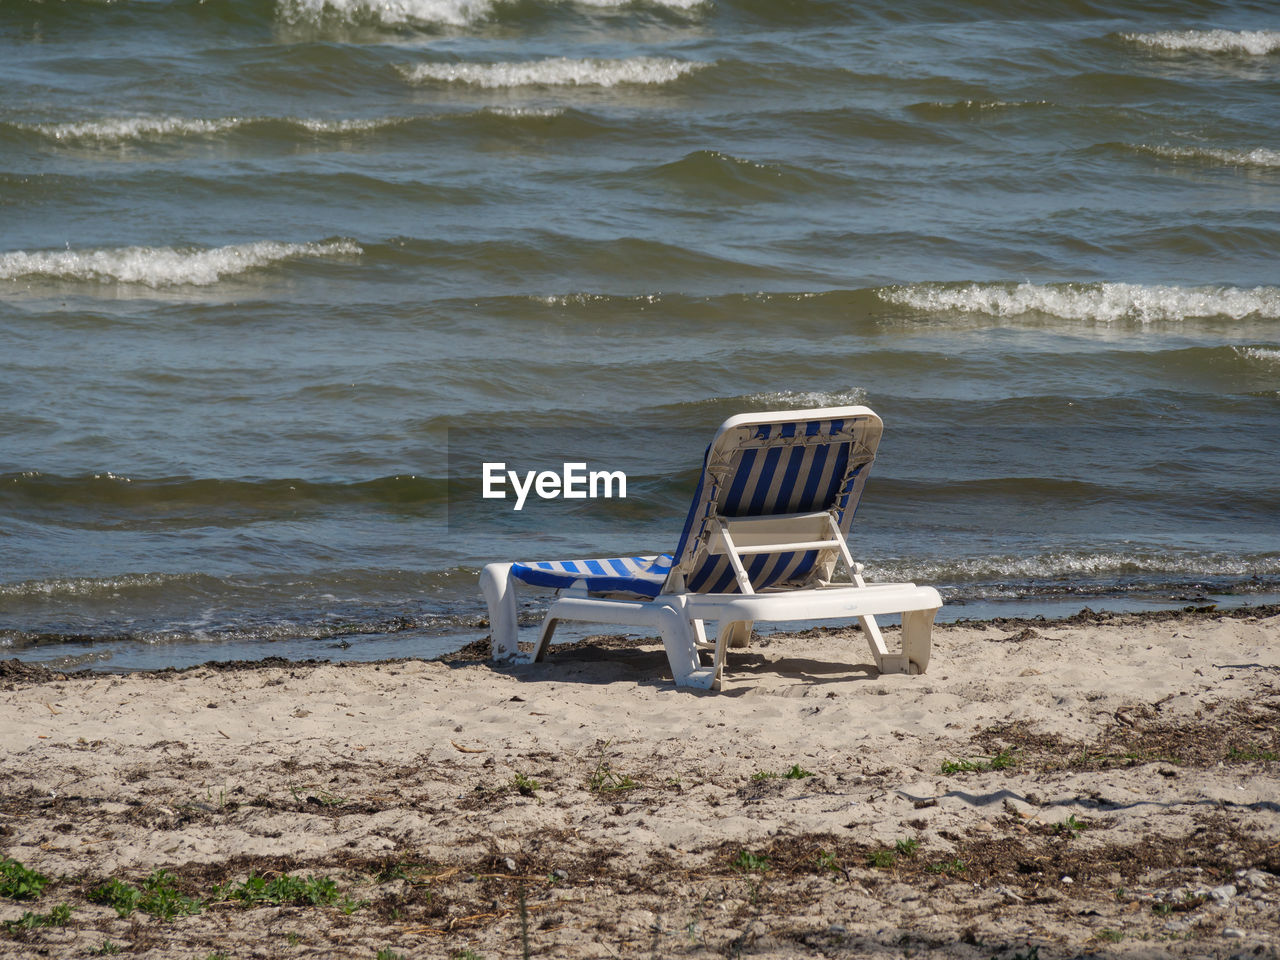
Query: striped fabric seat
x=766, y=469
x=755, y=470
x=621, y=576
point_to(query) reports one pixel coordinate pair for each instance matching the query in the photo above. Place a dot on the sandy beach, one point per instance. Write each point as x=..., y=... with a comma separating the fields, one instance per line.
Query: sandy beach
x=1099, y=786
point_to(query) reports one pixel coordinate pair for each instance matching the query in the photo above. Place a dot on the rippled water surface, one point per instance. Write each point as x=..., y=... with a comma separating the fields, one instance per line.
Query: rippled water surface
x=265, y=263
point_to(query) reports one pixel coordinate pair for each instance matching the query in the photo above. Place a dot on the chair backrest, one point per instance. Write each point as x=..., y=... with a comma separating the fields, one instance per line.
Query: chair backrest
x=767, y=464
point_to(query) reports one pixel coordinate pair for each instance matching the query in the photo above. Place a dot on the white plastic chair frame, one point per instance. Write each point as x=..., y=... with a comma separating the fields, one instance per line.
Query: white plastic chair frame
x=679, y=615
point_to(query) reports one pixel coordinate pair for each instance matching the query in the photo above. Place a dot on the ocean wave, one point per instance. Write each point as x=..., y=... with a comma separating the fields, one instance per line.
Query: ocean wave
x=348, y=126
x=584, y=299
x=1104, y=302
x=1079, y=566
x=62, y=587
x=163, y=266
x=133, y=128
x=520, y=113
x=453, y=13
x=123, y=129
x=722, y=176
x=806, y=399
x=205, y=498
x=1257, y=157
x=556, y=72
x=944, y=108
x=456, y=13
x=668, y=4
x=1263, y=354
x=1255, y=43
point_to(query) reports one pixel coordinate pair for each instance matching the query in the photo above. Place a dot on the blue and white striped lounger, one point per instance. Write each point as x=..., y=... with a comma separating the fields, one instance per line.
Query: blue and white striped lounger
x=765, y=533
x=635, y=576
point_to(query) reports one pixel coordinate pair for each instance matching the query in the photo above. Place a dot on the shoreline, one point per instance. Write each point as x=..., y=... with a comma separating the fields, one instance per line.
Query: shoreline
x=1104, y=783
x=19, y=665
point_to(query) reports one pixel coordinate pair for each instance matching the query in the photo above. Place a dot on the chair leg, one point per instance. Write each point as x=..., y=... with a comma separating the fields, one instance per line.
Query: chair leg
x=680, y=640
x=736, y=633
x=885, y=661
x=549, y=624
x=499, y=591
x=917, y=630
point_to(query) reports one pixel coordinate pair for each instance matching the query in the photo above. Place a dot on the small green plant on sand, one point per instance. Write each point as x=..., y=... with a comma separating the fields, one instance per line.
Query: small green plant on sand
x=747, y=861
x=158, y=896
x=881, y=859
x=390, y=870
x=1004, y=760
x=467, y=955
x=1248, y=754
x=284, y=889
x=120, y=896
x=108, y=949
x=59, y=916
x=603, y=779
x=827, y=861
x=220, y=800
x=906, y=848
x=951, y=867
x=1070, y=826
x=796, y=772
x=18, y=882
x=1189, y=902
x=319, y=796
x=386, y=953
x=162, y=900
x=1110, y=936
x=349, y=906
x=525, y=786
x=1001, y=761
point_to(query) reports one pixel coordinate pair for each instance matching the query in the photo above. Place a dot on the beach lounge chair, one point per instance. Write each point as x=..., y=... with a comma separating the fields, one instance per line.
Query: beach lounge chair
x=764, y=536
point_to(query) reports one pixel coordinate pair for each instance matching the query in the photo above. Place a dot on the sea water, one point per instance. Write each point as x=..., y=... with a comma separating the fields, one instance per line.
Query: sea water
x=263, y=263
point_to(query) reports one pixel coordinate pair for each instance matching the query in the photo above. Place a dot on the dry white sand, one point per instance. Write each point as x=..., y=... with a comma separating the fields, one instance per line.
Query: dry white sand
x=1134, y=810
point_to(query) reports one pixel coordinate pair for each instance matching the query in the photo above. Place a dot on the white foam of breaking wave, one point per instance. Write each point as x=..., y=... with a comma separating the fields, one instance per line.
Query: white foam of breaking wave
x=1105, y=302
x=1265, y=354
x=1073, y=566
x=123, y=129
x=455, y=13
x=809, y=399
x=670, y=4
x=349, y=126
x=1256, y=43
x=162, y=266
x=556, y=72
x=1257, y=157
x=87, y=586
x=989, y=104
x=584, y=299
x=134, y=128
x=520, y=112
